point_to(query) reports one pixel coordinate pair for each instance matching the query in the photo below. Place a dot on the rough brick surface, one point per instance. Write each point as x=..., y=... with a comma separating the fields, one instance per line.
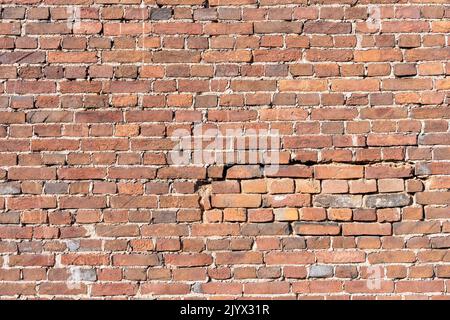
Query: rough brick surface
x=93, y=94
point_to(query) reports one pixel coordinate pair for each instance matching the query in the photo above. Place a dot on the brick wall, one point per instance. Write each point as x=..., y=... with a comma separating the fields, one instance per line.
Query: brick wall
x=94, y=94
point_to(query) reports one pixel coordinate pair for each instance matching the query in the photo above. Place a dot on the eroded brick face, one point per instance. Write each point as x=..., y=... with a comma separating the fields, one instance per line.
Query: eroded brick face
x=94, y=92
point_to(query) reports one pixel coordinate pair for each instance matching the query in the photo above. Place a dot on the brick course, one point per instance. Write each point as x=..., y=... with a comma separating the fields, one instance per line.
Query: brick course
x=94, y=91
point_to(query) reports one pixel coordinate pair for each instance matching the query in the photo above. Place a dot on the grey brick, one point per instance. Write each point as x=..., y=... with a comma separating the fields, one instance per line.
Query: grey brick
x=161, y=14
x=56, y=188
x=388, y=200
x=338, y=201
x=7, y=188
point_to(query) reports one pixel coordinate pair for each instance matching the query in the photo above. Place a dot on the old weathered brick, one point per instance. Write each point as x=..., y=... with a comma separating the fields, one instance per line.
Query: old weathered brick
x=316, y=228
x=322, y=27
x=366, y=229
x=338, y=201
x=160, y=13
x=320, y=271
x=285, y=214
x=387, y=200
x=8, y=188
x=113, y=185
x=236, y=201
